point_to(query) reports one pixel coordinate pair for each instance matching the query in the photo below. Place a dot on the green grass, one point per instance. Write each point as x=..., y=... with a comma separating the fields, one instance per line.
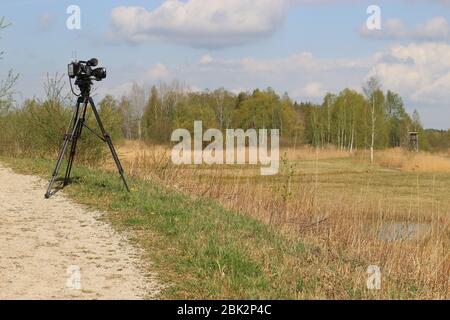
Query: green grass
x=354, y=181
x=199, y=249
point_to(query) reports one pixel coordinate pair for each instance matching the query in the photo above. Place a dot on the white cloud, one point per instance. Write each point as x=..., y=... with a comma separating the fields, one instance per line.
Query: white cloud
x=154, y=74
x=158, y=72
x=420, y=72
x=206, y=59
x=313, y=90
x=204, y=23
x=435, y=29
x=113, y=90
x=201, y=23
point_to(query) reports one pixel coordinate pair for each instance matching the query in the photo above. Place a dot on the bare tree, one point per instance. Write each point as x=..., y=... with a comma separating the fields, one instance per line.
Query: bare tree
x=7, y=84
x=3, y=25
x=55, y=91
x=6, y=90
x=138, y=100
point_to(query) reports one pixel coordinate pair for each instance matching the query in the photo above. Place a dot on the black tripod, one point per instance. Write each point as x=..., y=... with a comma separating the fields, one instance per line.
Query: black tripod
x=74, y=132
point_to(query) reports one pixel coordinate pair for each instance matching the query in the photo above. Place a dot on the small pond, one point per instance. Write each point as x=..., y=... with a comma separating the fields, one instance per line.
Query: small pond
x=399, y=230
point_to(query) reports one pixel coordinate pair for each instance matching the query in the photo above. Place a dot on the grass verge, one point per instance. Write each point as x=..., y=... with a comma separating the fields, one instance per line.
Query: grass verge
x=198, y=248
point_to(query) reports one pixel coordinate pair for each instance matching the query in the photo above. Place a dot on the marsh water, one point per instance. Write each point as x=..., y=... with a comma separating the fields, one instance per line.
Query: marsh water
x=399, y=230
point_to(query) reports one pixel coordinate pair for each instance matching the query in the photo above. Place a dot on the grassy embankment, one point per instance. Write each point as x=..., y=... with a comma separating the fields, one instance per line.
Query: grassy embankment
x=199, y=249
x=302, y=234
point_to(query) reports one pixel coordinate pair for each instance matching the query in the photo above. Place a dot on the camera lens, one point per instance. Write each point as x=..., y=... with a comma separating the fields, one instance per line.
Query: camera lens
x=99, y=73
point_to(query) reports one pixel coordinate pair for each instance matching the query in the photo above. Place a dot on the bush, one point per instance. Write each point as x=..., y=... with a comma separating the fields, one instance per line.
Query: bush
x=37, y=130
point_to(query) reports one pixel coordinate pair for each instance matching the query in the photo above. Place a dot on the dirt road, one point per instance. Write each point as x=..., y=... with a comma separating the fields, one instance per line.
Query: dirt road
x=56, y=249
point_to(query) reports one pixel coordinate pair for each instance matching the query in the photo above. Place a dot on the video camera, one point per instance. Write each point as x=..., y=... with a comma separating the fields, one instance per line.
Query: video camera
x=82, y=70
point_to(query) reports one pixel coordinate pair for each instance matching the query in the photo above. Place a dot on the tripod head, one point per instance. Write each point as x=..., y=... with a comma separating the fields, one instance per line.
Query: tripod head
x=85, y=87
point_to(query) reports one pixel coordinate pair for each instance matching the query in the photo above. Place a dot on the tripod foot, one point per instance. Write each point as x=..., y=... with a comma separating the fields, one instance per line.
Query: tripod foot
x=47, y=196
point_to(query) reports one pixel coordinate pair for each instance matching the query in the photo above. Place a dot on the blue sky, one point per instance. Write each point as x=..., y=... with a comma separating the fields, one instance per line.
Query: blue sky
x=303, y=47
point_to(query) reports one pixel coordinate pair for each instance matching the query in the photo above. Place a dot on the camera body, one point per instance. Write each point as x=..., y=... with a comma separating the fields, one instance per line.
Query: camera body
x=83, y=70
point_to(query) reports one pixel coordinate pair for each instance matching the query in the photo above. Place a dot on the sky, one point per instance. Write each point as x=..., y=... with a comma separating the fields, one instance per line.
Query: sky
x=303, y=47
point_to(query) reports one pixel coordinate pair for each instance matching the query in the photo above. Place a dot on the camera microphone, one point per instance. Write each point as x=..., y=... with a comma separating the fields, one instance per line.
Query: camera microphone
x=93, y=62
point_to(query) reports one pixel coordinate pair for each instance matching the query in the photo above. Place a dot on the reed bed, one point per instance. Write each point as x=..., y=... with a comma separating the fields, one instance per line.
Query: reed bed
x=412, y=161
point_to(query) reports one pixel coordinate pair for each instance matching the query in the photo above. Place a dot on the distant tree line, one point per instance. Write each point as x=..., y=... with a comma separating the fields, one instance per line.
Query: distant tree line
x=438, y=139
x=349, y=120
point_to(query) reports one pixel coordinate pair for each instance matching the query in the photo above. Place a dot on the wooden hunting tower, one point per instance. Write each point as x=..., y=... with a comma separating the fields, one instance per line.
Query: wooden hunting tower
x=414, y=141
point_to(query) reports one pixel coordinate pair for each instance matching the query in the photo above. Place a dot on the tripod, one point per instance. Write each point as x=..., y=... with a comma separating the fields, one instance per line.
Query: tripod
x=74, y=133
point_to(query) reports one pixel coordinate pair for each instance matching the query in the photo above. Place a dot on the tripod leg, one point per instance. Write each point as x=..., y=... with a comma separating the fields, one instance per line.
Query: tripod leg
x=110, y=144
x=73, y=148
x=67, y=138
x=58, y=166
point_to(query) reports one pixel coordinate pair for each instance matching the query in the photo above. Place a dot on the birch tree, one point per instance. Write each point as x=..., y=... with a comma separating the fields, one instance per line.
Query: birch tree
x=371, y=87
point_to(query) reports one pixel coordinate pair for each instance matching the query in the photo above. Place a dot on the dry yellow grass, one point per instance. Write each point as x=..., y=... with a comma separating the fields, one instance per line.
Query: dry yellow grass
x=130, y=149
x=330, y=200
x=312, y=153
x=411, y=161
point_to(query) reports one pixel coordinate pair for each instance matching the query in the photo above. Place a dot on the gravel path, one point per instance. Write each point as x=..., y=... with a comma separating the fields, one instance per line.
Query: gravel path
x=57, y=249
